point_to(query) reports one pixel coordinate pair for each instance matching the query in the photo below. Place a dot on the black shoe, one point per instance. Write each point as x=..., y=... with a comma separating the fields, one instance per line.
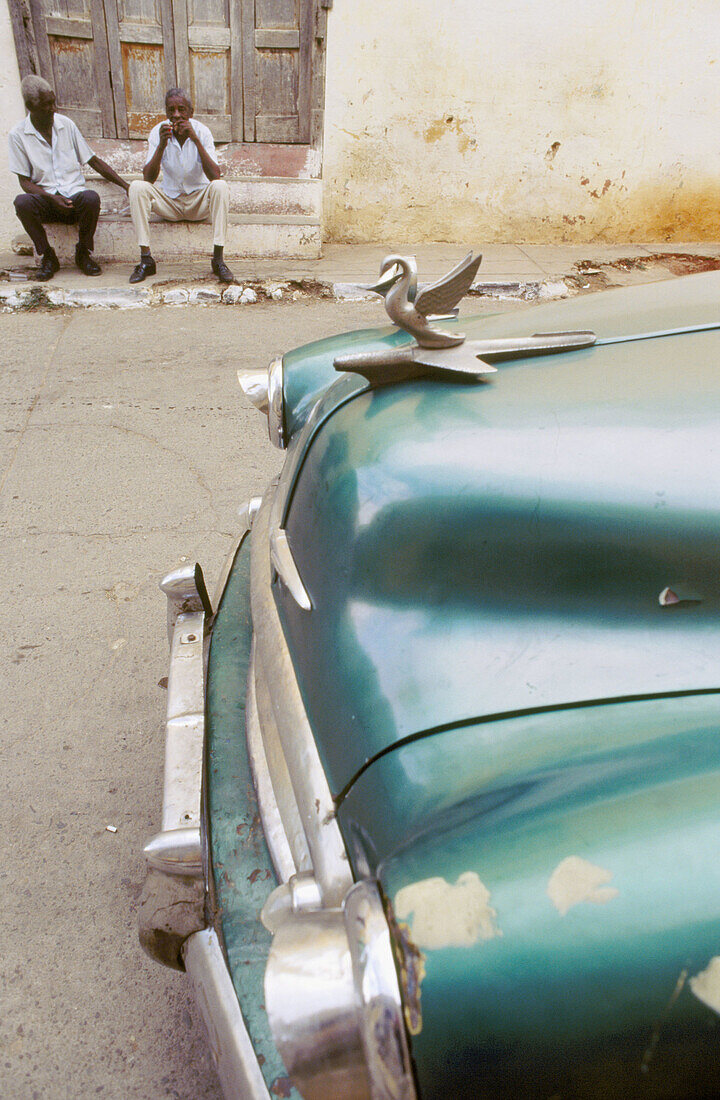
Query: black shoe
x=50, y=264
x=85, y=261
x=144, y=268
x=223, y=272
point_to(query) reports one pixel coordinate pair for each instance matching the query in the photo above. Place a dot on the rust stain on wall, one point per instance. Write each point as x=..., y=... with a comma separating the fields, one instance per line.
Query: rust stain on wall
x=449, y=124
x=372, y=201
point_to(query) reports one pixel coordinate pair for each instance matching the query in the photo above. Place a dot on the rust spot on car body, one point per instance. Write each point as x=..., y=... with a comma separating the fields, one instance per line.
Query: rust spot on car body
x=411, y=970
x=259, y=874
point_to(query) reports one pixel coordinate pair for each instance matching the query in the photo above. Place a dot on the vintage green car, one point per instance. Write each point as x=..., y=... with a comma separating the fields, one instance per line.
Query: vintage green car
x=442, y=790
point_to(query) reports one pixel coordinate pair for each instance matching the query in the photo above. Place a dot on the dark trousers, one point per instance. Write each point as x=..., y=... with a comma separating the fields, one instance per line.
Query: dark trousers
x=34, y=210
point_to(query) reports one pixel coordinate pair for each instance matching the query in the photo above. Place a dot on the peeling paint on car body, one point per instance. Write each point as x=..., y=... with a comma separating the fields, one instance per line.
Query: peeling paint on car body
x=446, y=915
x=706, y=984
x=576, y=880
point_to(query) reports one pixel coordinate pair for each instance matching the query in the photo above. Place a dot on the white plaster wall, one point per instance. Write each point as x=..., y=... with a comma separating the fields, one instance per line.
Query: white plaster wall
x=526, y=120
x=11, y=111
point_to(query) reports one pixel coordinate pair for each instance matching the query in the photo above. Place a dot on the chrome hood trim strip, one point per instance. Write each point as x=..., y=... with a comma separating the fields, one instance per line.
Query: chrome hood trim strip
x=312, y=793
x=279, y=812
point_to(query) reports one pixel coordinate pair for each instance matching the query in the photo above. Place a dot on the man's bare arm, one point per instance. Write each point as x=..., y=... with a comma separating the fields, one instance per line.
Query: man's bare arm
x=37, y=189
x=108, y=173
x=152, y=168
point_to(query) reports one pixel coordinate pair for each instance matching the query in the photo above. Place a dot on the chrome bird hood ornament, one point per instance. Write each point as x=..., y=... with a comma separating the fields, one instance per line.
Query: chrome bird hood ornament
x=438, y=354
x=410, y=310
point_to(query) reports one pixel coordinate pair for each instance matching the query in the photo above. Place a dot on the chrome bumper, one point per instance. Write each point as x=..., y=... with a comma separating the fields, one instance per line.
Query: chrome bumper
x=173, y=914
x=331, y=989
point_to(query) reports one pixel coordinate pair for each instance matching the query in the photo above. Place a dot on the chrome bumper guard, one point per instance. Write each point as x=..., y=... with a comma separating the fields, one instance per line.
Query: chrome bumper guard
x=176, y=848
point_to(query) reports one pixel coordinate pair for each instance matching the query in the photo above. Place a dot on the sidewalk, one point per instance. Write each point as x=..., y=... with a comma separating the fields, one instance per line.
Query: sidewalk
x=507, y=270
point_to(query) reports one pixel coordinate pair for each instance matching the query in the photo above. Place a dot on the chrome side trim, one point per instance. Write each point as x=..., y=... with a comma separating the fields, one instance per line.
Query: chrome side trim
x=312, y=793
x=177, y=847
x=232, y=1050
x=275, y=835
x=286, y=569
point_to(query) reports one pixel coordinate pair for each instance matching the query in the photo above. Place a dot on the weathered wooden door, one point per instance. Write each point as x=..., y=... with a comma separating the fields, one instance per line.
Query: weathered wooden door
x=277, y=39
x=71, y=47
x=141, y=47
x=247, y=64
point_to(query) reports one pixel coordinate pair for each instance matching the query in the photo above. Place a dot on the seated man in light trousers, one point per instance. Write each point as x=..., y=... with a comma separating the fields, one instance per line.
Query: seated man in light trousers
x=191, y=190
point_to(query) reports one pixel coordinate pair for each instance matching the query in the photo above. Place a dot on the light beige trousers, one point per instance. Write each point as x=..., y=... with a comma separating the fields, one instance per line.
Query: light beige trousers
x=210, y=202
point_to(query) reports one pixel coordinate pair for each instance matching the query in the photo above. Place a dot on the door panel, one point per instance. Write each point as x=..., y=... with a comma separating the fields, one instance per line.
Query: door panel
x=72, y=55
x=142, y=55
x=206, y=28
x=277, y=87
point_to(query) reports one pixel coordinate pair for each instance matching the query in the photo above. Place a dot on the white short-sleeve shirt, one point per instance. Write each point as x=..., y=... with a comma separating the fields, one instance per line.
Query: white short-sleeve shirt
x=182, y=170
x=57, y=168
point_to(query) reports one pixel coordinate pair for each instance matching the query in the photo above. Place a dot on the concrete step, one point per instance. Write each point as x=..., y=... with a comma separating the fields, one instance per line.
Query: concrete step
x=275, y=206
x=269, y=216
x=250, y=236
x=255, y=195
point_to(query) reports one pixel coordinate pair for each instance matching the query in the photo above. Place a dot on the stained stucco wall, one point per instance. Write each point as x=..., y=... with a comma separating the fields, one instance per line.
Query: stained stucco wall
x=11, y=111
x=527, y=120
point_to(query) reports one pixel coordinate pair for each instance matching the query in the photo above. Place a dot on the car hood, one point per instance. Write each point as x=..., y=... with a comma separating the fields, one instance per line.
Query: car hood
x=613, y=315
x=552, y=887
x=506, y=547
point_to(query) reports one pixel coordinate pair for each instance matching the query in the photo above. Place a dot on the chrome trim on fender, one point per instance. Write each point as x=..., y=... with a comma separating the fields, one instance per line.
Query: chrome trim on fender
x=286, y=569
x=309, y=783
x=232, y=1051
x=312, y=1008
x=246, y=513
x=254, y=384
x=333, y=999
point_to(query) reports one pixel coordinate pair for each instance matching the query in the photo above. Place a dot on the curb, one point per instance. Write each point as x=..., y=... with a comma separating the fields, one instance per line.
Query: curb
x=15, y=298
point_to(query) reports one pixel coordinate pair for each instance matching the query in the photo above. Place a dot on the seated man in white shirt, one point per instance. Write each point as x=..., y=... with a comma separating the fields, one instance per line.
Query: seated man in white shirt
x=191, y=186
x=47, y=152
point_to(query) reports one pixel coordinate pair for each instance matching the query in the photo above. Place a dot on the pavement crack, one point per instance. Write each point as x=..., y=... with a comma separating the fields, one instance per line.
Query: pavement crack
x=33, y=404
x=181, y=456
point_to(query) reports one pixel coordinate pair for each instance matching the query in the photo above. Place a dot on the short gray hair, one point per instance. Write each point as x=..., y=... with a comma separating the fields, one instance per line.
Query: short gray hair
x=33, y=87
x=180, y=94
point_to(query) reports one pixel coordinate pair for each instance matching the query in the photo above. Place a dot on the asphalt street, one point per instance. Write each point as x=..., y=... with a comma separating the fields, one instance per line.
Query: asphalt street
x=127, y=448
